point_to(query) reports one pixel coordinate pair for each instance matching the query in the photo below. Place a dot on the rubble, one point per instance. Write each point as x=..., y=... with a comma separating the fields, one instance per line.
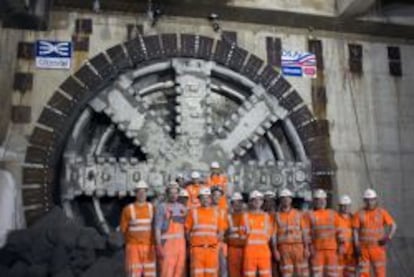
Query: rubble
x=59, y=247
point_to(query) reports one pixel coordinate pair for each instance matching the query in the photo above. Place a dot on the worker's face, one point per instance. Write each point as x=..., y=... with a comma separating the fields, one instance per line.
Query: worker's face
x=216, y=197
x=319, y=203
x=195, y=180
x=371, y=203
x=215, y=170
x=344, y=209
x=141, y=195
x=183, y=200
x=257, y=203
x=180, y=181
x=286, y=202
x=205, y=200
x=173, y=194
x=237, y=205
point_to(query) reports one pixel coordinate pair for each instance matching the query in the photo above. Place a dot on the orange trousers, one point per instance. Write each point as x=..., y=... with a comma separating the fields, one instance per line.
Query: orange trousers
x=204, y=261
x=257, y=259
x=140, y=260
x=292, y=260
x=235, y=261
x=375, y=255
x=347, y=265
x=325, y=263
x=173, y=262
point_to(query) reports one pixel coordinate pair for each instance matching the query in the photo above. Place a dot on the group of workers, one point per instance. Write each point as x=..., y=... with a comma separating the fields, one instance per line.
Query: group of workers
x=196, y=233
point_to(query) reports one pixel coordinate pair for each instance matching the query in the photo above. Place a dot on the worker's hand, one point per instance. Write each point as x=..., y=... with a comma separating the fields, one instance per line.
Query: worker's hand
x=341, y=249
x=160, y=251
x=384, y=241
x=276, y=255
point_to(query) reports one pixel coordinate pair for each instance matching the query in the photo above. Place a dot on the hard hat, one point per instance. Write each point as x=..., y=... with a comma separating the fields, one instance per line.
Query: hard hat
x=195, y=175
x=345, y=200
x=319, y=193
x=183, y=193
x=285, y=193
x=215, y=165
x=270, y=193
x=180, y=175
x=236, y=196
x=255, y=194
x=370, y=194
x=204, y=191
x=173, y=184
x=141, y=185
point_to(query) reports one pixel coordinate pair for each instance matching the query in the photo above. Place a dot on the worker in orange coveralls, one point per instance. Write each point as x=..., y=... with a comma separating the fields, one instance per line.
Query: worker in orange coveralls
x=290, y=240
x=323, y=237
x=235, y=241
x=370, y=235
x=216, y=195
x=217, y=178
x=169, y=234
x=136, y=226
x=193, y=190
x=204, y=230
x=347, y=260
x=257, y=227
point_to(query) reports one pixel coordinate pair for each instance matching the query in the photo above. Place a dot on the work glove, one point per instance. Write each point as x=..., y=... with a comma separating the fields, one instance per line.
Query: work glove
x=384, y=241
x=160, y=251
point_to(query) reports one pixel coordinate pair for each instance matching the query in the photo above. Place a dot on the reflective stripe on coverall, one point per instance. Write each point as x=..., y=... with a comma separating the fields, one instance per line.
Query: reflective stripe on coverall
x=236, y=243
x=347, y=261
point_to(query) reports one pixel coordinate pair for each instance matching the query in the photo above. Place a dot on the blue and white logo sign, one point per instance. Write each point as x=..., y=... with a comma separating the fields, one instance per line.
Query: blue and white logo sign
x=299, y=64
x=53, y=54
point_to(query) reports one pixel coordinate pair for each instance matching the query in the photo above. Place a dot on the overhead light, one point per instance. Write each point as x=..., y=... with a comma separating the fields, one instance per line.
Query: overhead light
x=96, y=6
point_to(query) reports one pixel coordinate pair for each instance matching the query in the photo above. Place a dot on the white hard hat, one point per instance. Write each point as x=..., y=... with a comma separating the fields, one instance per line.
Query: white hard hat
x=183, y=193
x=173, y=184
x=370, y=194
x=141, y=185
x=255, y=194
x=215, y=165
x=345, y=200
x=204, y=191
x=180, y=175
x=285, y=193
x=236, y=196
x=319, y=193
x=195, y=175
x=270, y=193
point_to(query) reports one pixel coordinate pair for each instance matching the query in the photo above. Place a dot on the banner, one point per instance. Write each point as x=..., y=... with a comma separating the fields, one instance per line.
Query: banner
x=299, y=64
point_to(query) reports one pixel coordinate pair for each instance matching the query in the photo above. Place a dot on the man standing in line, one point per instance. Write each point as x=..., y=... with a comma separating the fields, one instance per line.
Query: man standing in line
x=324, y=236
x=193, y=189
x=217, y=178
x=370, y=235
x=204, y=231
x=169, y=234
x=290, y=240
x=258, y=229
x=136, y=226
x=235, y=241
x=347, y=261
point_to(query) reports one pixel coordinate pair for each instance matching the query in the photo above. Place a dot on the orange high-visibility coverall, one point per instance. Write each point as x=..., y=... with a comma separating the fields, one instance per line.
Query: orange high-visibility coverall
x=221, y=181
x=193, y=190
x=347, y=261
x=258, y=229
x=170, y=219
x=136, y=225
x=223, y=250
x=324, y=236
x=203, y=226
x=290, y=231
x=370, y=225
x=236, y=243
